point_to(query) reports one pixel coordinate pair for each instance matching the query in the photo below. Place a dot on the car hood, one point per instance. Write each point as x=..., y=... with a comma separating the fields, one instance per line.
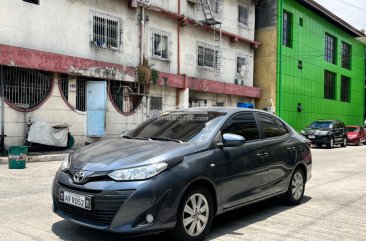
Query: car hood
x=312, y=130
x=352, y=133
x=116, y=154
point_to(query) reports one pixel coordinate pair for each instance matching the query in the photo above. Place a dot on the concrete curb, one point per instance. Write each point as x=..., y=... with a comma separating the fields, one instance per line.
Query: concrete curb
x=39, y=158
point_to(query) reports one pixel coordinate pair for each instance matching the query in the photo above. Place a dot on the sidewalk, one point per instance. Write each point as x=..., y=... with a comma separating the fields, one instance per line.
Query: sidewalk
x=42, y=156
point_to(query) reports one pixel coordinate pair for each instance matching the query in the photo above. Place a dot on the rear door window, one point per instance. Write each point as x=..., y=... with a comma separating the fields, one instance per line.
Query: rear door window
x=270, y=127
x=244, y=125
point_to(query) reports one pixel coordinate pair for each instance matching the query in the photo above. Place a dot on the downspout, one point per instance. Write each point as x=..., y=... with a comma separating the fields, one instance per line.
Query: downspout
x=2, y=141
x=177, y=92
x=279, y=55
x=142, y=42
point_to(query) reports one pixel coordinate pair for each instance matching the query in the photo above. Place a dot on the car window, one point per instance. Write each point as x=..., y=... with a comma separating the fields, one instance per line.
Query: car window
x=352, y=129
x=282, y=127
x=270, y=127
x=321, y=124
x=244, y=125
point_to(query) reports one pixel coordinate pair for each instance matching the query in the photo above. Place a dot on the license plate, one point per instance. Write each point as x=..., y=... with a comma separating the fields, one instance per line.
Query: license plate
x=77, y=200
x=311, y=137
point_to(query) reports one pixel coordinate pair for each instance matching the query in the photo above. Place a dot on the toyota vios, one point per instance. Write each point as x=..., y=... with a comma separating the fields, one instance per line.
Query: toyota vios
x=179, y=170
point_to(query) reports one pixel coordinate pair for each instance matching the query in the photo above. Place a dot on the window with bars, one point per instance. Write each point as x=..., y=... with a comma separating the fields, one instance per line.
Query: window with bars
x=207, y=56
x=75, y=87
x=346, y=56
x=106, y=31
x=287, y=29
x=345, y=88
x=125, y=95
x=160, y=45
x=330, y=49
x=156, y=103
x=240, y=62
x=243, y=14
x=26, y=88
x=329, y=85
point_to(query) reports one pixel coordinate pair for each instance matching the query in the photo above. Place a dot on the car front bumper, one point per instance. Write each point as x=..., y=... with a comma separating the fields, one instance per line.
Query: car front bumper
x=319, y=139
x=121, y=207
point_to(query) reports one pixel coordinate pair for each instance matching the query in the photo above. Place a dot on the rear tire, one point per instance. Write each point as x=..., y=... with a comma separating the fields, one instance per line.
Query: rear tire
x=330, y=143
x=344, y=142
x=195, y=214
x=296, y=188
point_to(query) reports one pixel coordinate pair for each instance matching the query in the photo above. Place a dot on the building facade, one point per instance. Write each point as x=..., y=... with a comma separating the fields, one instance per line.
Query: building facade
x=76, y=62
x=310, y=65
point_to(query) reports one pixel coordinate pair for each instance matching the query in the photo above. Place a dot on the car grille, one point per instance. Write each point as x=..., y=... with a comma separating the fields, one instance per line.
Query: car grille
x=104, y=206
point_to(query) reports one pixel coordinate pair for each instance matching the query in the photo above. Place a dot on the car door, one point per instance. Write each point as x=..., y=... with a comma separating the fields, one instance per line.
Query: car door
x=338, y=132
x=242, y=171
x=283, y=152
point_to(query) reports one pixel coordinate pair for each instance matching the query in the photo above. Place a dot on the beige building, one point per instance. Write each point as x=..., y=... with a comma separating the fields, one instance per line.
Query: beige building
x=75, y=61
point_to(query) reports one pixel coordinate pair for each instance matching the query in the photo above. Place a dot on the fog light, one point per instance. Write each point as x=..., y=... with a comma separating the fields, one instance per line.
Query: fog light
x=149, y=218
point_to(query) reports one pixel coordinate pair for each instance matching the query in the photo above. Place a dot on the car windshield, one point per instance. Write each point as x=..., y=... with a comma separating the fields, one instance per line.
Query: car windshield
x=352, y=129
x=321, y=124
x=178, y=126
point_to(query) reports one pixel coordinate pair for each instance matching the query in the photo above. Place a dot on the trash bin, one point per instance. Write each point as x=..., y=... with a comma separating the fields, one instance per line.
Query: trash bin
x=17, y=157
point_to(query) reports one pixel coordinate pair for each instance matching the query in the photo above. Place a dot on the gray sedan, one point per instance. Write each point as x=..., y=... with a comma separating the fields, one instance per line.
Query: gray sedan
x=179, y=170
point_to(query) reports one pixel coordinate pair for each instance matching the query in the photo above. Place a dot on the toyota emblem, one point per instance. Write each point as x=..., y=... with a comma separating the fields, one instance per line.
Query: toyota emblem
x=78, y=177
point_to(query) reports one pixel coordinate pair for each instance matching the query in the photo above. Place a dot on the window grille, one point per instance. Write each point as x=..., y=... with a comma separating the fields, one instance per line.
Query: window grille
x=346, y=55
x=287, y=29
x=207, y=56
x=240, y=61
x=156, y=103
x=329, y=85
x=160, y=45
x=26, y=88
x=218, y=104
x=80, y=91
x=106, y=31
x=345, y=88
x=243, y=15
x=125, y=96
x=330, y=48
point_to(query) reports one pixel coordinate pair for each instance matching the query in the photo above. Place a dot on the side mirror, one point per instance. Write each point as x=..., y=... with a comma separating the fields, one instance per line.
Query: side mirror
x=231, y=140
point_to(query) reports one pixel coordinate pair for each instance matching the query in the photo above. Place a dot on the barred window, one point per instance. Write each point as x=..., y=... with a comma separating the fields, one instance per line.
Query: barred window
x=106, y=31
x=345, y=88
x=207, y=56
x=160, y=44
x=330, y=49
x=329, y=85
x=26, y=88
x=346, y=55
x=287, y=29
x=156, y=103
x=73, y=90
x=240, y=61
x=125, y=96
x=243, y=14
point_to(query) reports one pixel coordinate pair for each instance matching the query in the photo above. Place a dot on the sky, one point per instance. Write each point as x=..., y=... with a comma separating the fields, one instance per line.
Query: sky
x=351, y=11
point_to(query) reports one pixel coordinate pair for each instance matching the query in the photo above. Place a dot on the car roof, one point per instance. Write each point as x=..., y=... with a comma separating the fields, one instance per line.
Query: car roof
x=229, y=110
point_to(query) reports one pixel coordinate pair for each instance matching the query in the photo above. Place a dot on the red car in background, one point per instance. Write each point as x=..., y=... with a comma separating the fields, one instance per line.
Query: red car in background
x=355, y=135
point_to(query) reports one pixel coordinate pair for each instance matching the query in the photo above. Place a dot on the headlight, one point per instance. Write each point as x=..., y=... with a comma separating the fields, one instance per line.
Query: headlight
x=303, y=132
x=138, y=173
x=322, y=133
x=66, y=164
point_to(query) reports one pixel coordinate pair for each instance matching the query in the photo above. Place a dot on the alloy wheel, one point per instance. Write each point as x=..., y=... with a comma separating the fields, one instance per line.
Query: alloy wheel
x=195, y=214
x=297, y=186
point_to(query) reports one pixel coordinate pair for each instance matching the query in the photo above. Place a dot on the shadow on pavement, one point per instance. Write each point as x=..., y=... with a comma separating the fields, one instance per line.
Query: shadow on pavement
x=226, y=223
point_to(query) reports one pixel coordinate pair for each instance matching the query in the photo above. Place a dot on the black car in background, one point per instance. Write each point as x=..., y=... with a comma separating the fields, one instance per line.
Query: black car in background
x=326, y=132
x=179, y=170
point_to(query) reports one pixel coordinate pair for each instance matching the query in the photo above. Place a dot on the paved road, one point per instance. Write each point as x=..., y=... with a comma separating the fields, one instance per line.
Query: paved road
x=334, y=206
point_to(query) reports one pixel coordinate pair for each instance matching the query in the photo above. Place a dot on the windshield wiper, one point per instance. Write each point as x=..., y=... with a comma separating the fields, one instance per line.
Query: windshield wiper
x=163, y=139
x=136, y=138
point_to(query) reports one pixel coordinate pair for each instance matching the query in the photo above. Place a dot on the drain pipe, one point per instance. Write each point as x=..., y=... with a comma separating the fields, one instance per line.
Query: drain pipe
x=2, y=139
x=142, y=35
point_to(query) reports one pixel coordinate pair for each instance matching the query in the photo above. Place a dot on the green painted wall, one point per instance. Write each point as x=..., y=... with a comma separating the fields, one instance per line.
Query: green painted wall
x=306, y=86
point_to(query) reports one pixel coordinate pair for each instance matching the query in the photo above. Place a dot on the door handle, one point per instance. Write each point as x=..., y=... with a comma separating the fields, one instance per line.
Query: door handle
x=291, y=148
x=262, y=154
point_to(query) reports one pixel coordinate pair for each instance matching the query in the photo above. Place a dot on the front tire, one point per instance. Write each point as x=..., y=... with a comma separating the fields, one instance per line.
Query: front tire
x=330, y=143
x=344, y=142
x=295, y=191
x=195, y=214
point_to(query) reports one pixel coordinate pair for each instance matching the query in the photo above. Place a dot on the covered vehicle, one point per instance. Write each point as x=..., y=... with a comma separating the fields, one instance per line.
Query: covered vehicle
x=178, y=170
x=326, y=132
x=355, y=135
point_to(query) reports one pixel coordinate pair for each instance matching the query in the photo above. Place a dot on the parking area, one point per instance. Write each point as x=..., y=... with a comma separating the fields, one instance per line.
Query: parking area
x=334, y=206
